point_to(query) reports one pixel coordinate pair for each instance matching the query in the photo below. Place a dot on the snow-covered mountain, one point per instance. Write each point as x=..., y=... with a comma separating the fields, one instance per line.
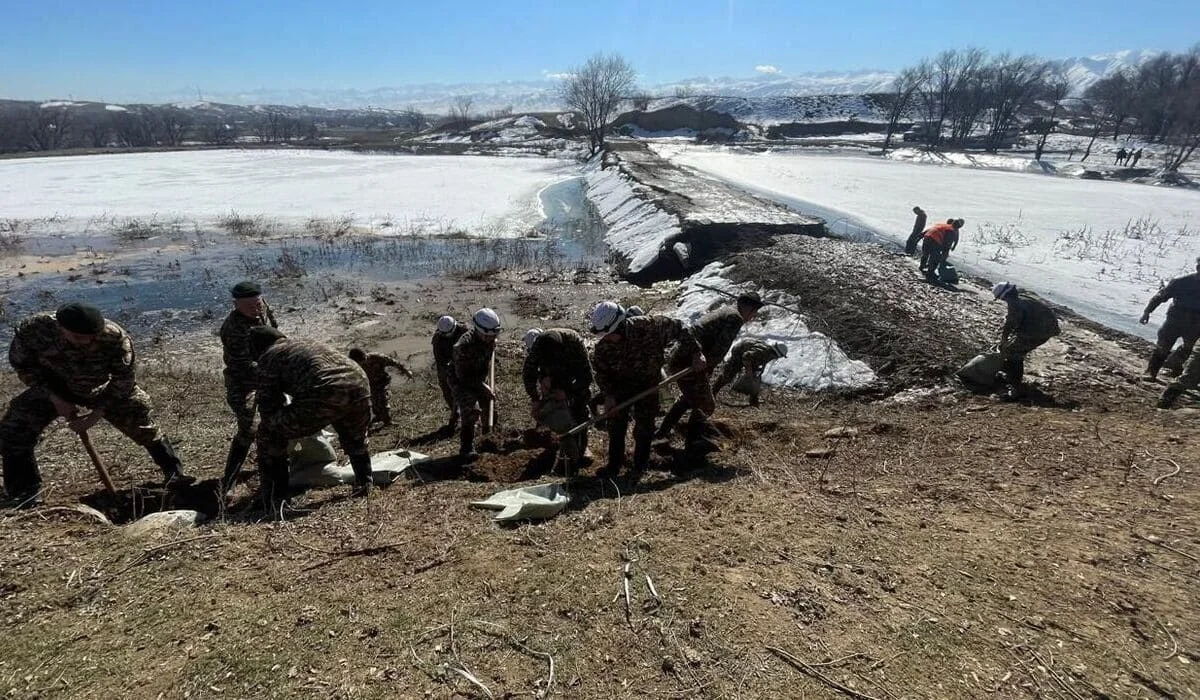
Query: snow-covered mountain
x=540, y=95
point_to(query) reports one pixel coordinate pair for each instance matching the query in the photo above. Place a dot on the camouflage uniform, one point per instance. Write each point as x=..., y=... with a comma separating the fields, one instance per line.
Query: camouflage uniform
x=239, y=369
x=326, y=387
x=99, y=377
x=1028, y=325
x=560, y=356
x=472, y=360
x=443, y=360
x=376, y=368
x=750, y=356
x=628, y=362
x=1182, y=323
x=1189, y=379
x=715, y=332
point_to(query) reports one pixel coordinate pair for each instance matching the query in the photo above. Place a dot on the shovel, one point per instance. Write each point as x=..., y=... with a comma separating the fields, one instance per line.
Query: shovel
x=626, y=403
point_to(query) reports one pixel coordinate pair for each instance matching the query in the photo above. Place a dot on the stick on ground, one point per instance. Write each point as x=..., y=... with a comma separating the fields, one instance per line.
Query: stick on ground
x=810, y=671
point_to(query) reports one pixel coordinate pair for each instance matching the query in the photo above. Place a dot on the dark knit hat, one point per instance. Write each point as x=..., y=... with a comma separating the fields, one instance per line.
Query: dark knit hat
x=246, y=290
x=751, y=299
x=260, y=338
x=80, y=318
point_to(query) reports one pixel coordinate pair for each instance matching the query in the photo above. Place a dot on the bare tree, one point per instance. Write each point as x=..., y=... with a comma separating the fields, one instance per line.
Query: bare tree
x=49, y=128
x=411, y=120
x=1055, y=91
x=1113, y=98
x=172, y=123
x=1182, y=129
x=1015, y=84
x=945, y=94
x=460, y=107
x=906, y=85
x=595, y=90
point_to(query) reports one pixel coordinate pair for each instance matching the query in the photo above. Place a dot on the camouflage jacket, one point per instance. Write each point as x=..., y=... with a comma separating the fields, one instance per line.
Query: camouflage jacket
x=443, y=346
x=715, y=331
x=376, y=368
x=1029, y=317
x=472, y=359
x=1184, y=293
x=306, y=370
x=92, y=376
x=634, y=355
x=558, y=353
x=753, y=352
x=239, y=368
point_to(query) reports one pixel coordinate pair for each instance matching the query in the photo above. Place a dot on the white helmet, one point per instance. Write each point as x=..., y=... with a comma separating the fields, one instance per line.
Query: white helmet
x=606, y=316
x=530, y=336
x=1003, y=289
x=445, y=325
x=781, y=349
x=487, y=322
x=634, y=310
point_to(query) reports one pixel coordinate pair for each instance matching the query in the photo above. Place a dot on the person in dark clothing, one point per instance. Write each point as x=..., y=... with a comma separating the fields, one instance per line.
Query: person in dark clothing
x=557, y=375
x=446, y=334
x=1122, y=154
x=475, y=397
x=376, y=368
x=250, y=310
x=1028, y=324
x=1137, y=155
x=910, y=246
x=1182, y=323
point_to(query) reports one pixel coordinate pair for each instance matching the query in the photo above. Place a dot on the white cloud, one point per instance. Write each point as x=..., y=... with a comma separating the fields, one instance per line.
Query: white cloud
x=766, y=69
x=556, y=76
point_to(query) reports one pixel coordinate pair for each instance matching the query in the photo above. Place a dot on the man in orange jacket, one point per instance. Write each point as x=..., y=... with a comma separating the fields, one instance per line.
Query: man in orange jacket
x=937, y=242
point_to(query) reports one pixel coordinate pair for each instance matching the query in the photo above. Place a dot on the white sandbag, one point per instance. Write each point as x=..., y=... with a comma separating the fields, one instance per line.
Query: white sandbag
x=163, y=521
x=527, y=503
x=981, y=370
x=386, y=467
x=312, y=451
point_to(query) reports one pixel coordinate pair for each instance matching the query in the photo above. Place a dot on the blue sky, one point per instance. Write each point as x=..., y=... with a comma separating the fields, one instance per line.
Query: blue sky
x=98, y=49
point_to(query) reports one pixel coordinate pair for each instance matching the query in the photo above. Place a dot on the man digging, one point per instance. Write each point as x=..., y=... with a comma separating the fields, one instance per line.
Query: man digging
x=558, y=379
x=473, y=395
x=445, y=335
x=250, y=310
x=1028, y=324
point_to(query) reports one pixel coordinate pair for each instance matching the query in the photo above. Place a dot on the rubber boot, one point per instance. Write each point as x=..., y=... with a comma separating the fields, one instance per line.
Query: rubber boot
x=275, y=489
x=233, y=464
x=697, y=443
x=1157, y=358
x=21, y=480
x=616, y=452
x=641, y=451
x=163, y=454
x=1169, y=397
x=466, y=442
x=362, y=475
x=670, y=420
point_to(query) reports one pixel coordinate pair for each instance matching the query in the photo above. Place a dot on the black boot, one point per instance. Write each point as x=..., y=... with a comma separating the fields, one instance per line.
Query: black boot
x=22, y=482
x=274, y=484
x=1157, y=358
x=641, y=450
x=466, y=442
x=233, y=463
x=163, y=454
x=698, y=443
x=671, y=419
x=1169, y=397
x=362, y=475
x=616, y=451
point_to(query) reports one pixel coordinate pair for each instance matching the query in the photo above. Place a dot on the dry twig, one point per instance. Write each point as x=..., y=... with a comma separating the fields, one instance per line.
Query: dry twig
x=1160, y=479
x=809, y=670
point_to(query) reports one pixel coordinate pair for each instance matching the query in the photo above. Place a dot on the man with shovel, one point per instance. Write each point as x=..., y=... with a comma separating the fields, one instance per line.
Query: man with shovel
x=250, y=310
x=69, y=360
x=474, y=354
x=558, y=379
x=628, y=360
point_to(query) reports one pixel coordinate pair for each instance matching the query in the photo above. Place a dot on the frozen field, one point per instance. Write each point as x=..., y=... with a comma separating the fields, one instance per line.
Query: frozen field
x=388, y=194
x=1102, y=248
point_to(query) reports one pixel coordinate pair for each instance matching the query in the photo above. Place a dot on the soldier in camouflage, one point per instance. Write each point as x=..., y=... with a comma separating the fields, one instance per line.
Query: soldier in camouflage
x=715, y=332
x=473, y=395
x=628, y=359
x=70, y=360
x=748, y=357
x=1188, y=380
x=446, y=334
x=1028, y=324
x=326, y=388
x=376, y=368
x=250, y=310
x=557, y=373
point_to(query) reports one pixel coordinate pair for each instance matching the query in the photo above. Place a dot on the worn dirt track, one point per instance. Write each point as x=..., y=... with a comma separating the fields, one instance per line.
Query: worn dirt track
x=954, y=547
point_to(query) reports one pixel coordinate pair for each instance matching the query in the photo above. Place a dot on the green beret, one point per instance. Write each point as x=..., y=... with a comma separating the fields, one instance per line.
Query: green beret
x=80, y=318
x=246, y=290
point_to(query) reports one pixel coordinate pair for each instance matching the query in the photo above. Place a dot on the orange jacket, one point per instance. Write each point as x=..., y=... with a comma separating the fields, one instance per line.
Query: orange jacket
x=941, y=233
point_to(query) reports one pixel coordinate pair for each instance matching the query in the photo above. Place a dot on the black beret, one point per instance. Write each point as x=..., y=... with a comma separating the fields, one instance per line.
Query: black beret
x=751, y=299
x=80, y=318
x=262, y=337
x=246, y=290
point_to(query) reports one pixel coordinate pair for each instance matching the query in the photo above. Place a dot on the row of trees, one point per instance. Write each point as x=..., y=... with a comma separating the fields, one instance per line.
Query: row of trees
x=970, y=97
x=29, y=127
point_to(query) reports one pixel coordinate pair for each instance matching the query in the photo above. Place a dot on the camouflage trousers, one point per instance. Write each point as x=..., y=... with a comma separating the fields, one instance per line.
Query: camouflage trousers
x=381, y=410
x=443, y=375
x=645, y=410
x=695, y=391
x=31, y=411
x=236, y=397
x=1182, y=325
x=347, y=411
x=561, y=416
x=1190, y=377
x=473, y=405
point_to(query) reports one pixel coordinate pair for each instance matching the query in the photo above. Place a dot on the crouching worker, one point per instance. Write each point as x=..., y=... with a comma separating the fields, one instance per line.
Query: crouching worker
x=558, y=378
x=326, y=388
x=70, y=360
x=1028, y=325
x=472, y=364
x=748, y=357
x=375, y=366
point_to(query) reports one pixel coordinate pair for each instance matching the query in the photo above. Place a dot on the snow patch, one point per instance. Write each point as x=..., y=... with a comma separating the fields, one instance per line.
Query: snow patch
x=60, y=103
x=115, y=108
x=637, y=228
x=814, y=361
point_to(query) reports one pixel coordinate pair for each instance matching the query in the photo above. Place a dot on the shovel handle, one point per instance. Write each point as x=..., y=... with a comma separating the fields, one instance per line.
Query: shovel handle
x=627, y=403
x=99, y=465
